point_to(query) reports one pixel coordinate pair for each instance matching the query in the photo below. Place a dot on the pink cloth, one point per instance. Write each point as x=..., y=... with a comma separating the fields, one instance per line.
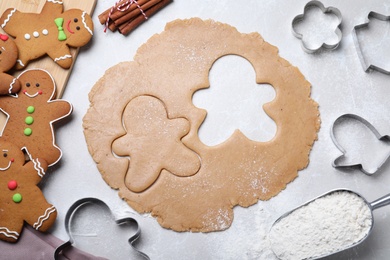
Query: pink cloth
x=33, y=244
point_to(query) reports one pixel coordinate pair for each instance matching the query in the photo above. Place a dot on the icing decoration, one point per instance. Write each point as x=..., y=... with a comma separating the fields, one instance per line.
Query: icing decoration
x=9, y=233
x=12, y=185
x=85, y=23
x=27, y=36
x=38, y=168
x=29, y=120
x=20, y=63
x=68, y=27
x=61, y=34
x=32, y=96
x=17, y=197
x=27, y=131
x=55, y=2
x=3, y=37
x=8, y=17
x=63, y=57
x=30, y=109
x=44, y=217
x=11, y=85
x=36, y=34
x=6, y=168
x=45, y=32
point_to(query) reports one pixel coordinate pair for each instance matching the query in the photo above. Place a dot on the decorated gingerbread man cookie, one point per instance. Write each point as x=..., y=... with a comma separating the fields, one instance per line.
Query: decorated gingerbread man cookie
x=50, y=32
x=8, y=57
x=20, y=198
x=31, y=114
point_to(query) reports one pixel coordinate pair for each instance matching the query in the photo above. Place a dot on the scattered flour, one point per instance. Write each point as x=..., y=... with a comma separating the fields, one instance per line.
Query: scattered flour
x=326, y=225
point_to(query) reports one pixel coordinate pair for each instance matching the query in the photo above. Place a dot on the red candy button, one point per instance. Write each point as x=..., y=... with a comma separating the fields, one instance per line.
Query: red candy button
x=12, y=185
x=3, y=37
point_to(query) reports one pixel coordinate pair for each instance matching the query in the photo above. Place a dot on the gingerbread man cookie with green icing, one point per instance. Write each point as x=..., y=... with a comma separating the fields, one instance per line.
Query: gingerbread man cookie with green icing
x=8, y=57
x=31, y=114
x=20, y=198
x=50, y=32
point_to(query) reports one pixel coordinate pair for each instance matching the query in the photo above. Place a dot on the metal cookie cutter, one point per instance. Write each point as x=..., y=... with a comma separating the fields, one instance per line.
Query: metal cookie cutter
x=383, y=138
x=326, y=10
x=367, y=67
x=83, y=203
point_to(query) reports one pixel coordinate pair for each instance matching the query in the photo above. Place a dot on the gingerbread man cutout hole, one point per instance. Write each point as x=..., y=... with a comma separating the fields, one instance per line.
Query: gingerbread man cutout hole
x=234, y=103
x=148, y=126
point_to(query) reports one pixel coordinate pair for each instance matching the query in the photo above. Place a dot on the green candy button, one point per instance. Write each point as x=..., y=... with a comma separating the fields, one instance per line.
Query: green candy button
x=29, y=120
x=27, y=131
x=17, y=197
x=30, y=109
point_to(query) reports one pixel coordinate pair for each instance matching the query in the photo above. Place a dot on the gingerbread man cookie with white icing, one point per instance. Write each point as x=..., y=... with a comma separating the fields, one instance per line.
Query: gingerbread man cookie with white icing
x=20, y=198
x=50, y=32
x=31, y=114
x=8, y=57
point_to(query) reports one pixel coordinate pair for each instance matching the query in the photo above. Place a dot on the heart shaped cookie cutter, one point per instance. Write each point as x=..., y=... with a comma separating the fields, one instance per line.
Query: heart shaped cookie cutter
x=73, y=210
x=325, y=10
x=383, y=138
x=366, y=66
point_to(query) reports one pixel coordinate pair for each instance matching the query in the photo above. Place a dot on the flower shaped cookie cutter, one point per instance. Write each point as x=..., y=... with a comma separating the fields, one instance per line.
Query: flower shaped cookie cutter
x=358, y=165
x=82, y=204
x=366, y=65
x=306, y=46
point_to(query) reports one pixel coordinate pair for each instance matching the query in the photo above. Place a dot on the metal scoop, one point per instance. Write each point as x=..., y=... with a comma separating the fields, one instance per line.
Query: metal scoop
x=279, y=248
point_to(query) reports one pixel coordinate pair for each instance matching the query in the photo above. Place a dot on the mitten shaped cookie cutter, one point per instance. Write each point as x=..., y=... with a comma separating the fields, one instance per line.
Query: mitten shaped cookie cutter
x=382, y=138
x=366, y=66
x=326, y=10
x=72, y=212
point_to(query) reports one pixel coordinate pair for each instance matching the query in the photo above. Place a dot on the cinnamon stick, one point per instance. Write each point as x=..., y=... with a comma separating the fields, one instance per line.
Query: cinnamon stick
x=111, y=26
x=126, y=28
x=130, y=16
x=117, y=13
x=103, y=16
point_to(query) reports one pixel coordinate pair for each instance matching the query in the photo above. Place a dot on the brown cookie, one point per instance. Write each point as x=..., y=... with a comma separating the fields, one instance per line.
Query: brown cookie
x=50, y=32
x=8, y=57
x=20, y=198
x=31, y=114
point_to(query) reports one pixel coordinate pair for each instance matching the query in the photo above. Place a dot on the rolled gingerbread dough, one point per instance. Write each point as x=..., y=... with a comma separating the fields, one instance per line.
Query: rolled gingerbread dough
x=198, y=190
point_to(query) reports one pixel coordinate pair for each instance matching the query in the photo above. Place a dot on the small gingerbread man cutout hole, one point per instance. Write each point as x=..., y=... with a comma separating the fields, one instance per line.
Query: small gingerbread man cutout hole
x=234, y=101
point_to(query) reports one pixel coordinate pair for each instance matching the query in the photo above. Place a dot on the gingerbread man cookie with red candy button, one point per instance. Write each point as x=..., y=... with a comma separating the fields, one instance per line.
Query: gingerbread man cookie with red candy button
x=20, y=198
x=8, y=57
x=31, y=114
x=50, y=32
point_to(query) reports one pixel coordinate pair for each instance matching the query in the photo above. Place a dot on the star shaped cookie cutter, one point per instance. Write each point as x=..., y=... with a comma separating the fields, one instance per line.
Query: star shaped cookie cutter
x=384, y=138
x=367, y=67
x=88, y=201
x=325, y=10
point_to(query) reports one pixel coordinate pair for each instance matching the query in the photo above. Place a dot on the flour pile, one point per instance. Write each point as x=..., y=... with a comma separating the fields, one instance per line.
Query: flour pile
x=325, y=226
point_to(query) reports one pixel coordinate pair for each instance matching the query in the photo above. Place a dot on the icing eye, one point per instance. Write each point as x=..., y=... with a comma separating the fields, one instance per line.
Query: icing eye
x=75, y=20
x=78, y=28
x=28, y=85
x=5, y=154
x=37, y=85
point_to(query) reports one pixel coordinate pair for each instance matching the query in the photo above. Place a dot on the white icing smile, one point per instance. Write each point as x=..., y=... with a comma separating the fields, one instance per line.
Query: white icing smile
x=6, y=168
x=34, y=95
